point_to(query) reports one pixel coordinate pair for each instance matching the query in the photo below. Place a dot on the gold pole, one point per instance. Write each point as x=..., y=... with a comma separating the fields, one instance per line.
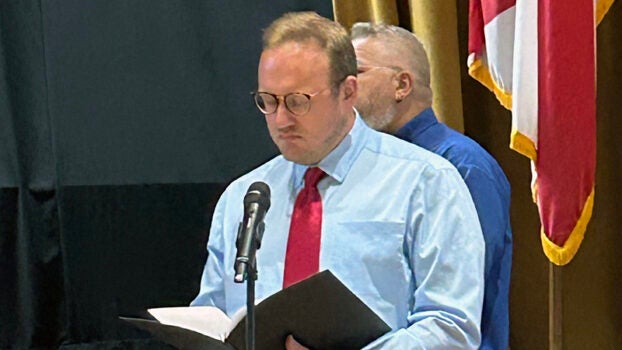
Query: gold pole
x=555, y=307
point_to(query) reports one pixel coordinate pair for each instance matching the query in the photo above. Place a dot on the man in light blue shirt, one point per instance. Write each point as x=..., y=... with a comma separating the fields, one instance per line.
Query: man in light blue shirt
x=394, y=96
x=399, y=227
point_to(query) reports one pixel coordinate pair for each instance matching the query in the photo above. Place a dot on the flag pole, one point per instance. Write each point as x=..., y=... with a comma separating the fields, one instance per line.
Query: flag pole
x=555, y=307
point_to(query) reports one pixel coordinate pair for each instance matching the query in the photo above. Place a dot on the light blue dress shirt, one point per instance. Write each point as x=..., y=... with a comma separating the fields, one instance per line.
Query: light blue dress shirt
x=399, y=229
x=490, y=191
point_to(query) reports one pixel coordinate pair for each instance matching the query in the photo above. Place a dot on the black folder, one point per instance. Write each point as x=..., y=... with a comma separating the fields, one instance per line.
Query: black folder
x=320, y=312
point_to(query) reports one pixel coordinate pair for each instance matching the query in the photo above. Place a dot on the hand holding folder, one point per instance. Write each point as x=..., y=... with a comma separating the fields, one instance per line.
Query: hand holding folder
x=320, y=312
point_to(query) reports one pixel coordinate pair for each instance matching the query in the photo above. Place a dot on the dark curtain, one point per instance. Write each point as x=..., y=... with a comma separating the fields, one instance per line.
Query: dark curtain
x=121, y=122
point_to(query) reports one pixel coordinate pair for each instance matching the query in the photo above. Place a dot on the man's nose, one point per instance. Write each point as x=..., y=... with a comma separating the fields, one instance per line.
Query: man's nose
x=282, y=116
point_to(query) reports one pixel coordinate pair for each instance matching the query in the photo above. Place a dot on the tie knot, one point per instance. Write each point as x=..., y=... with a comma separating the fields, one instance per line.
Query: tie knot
x=313, y=176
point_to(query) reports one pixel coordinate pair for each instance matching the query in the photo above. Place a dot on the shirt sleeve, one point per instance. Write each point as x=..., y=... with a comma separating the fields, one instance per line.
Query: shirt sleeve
x=212, y=290
x=445, y=249
x=491, y=198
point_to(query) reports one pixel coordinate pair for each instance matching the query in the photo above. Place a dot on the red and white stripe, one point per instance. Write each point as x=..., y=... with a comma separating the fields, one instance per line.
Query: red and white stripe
x=538, y=57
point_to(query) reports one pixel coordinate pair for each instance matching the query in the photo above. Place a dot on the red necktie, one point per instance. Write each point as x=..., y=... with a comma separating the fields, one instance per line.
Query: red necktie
x=305, y=231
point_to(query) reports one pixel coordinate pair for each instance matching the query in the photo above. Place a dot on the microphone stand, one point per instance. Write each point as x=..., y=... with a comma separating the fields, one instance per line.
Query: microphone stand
x=246, y=270
x=250, y=307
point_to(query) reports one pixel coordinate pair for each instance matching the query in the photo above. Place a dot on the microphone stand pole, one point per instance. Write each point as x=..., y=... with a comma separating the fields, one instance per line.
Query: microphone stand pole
x=250, y=307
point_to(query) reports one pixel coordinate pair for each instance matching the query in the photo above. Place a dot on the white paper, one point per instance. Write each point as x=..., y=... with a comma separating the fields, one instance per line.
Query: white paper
x=207, y=320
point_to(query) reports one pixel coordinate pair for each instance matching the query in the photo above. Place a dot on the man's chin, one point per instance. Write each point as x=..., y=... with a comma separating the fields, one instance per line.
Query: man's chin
x=367, y=118
x=298, y=157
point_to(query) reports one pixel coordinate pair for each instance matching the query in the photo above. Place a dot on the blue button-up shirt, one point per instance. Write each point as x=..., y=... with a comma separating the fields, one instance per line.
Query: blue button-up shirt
x=399, y=229
x=491, y=194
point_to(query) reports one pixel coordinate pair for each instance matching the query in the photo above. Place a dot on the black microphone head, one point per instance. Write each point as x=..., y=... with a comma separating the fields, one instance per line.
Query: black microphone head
x=258, y=192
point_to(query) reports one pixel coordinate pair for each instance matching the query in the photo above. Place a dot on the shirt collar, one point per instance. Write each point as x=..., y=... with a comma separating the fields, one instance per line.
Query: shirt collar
x=417, y=125
x=339, y=161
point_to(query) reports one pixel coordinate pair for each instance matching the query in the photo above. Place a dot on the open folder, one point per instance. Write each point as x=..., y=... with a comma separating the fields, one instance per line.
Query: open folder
x=320, y=312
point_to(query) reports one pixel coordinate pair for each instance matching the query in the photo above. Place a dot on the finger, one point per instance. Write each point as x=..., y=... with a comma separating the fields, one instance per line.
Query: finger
x=292, y=344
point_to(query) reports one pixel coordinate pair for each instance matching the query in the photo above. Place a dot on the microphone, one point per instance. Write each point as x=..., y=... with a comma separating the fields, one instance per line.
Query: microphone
x=250, y=230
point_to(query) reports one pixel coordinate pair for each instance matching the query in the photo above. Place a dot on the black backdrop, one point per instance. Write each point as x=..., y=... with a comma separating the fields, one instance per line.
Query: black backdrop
x=121, y=122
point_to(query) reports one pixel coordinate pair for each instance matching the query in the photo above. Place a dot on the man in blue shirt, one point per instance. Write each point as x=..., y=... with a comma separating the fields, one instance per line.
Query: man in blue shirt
x=394, y=96
x=398, y=226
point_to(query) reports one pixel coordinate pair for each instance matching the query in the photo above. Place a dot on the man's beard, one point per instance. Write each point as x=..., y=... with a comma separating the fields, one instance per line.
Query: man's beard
x=375, y=119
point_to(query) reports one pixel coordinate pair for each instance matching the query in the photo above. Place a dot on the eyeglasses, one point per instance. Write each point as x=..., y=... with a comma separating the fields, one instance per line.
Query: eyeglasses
x=364, y=69
x=297, y=103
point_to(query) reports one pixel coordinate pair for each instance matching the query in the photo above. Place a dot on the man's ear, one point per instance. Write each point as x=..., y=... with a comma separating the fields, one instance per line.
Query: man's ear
x=404, y=86
x=350, y=88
